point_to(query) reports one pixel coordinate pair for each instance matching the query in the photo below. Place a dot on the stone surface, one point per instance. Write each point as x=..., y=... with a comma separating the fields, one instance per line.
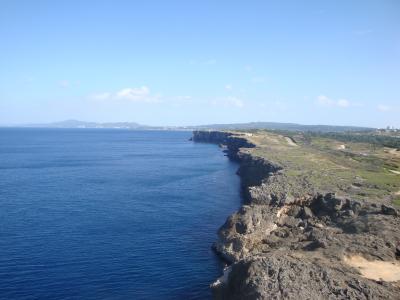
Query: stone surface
x=388, y=210
x=292, y=244
x=288, y=276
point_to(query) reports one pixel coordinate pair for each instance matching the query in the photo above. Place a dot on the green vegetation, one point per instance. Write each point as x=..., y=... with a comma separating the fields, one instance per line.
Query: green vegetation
x=358, y=165
x=373, y=139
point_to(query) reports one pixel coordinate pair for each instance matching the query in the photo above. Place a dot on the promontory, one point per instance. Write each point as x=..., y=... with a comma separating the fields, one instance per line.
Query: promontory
x=319, y=220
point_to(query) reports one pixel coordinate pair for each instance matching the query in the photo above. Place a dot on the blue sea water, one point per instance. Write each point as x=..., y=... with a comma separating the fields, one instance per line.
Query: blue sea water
x=110, y=214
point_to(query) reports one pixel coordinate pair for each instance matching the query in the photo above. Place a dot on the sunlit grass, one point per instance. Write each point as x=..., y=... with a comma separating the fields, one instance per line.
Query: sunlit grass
x=359, y=170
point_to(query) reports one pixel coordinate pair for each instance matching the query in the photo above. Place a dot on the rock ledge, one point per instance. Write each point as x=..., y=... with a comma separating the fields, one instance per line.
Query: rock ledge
x=285, y=245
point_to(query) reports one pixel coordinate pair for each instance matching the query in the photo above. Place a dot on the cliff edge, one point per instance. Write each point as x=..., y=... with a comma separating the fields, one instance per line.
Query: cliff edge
x=317, y=221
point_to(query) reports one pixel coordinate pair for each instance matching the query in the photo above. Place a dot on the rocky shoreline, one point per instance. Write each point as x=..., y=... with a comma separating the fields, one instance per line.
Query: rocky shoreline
x=291, y=240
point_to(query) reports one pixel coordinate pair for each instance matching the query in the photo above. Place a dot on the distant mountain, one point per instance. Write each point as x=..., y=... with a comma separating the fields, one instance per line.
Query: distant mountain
x=234, y=126
x=82, y=124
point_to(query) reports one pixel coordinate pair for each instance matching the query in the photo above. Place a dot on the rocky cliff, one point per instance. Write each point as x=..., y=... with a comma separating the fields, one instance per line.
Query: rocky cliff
x=293, y=240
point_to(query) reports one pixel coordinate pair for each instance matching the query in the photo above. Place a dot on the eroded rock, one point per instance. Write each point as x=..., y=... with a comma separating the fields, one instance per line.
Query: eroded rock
x=287, y=276
x=389, y=210
x=293, y=241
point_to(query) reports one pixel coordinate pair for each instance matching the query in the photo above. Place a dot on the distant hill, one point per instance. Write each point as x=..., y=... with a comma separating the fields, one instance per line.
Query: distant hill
x=285, y=126
x=234, y=126
x=82, y=124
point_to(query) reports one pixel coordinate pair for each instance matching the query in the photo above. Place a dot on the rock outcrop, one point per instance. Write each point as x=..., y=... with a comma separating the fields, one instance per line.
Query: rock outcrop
x=233, y=141
x=292, y=241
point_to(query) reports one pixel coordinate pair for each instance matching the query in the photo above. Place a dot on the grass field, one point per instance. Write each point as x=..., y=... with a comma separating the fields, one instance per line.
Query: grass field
x=355, y=169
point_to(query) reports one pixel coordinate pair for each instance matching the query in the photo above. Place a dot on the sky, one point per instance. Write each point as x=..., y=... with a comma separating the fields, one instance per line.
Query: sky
x=200, y=62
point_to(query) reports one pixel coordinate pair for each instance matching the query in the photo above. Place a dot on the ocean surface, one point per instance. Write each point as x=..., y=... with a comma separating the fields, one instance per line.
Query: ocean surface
x=110, y=214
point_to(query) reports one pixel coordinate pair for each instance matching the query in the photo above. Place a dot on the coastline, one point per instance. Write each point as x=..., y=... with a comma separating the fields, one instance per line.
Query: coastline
x=292, y=240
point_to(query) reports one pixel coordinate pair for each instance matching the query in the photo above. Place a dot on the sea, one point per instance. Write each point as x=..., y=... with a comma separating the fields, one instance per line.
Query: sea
x=111, y=213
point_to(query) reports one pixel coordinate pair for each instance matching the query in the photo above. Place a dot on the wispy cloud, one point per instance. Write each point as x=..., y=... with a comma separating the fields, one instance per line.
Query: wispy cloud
x=139, y=94
x=248, y=68
x=228, y=87
x=384, y=108
x=210, y=62
x=343, y=103
x=64, y=83
x=134, y=94
x=323, y=100
x=68, y=83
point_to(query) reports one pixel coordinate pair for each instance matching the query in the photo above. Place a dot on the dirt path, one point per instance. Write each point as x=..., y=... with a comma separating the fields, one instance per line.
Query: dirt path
x=376, y=270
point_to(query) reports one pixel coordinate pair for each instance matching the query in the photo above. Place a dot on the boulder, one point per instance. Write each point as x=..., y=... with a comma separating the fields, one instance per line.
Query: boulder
x=306, y=213
x=388, y=210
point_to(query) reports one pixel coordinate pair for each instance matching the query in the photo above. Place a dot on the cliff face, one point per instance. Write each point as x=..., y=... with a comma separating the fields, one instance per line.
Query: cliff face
x=232, y=141
x=293, y=241
x=214, y=137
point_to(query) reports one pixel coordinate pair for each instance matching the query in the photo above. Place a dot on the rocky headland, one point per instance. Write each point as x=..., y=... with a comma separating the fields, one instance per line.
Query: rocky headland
x=313, y=224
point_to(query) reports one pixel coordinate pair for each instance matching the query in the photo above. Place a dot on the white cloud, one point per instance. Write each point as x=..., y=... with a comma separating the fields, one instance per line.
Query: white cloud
x=343, y=103
x=228, y=87
x=134, y=94
x=68, y=83
x=384, y=108
x=235, y=101
x=210, y=62
x=323, y=100
x=139, y=94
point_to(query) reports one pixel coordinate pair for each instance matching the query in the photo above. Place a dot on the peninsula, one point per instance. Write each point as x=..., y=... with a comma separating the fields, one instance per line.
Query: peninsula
x=320, y=217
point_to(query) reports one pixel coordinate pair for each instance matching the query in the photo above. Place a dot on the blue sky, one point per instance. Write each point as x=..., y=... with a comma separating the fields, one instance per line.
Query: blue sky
x=200, y=62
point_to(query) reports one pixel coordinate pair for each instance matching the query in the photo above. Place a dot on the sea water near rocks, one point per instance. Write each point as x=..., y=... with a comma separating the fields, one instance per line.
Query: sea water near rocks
x=110, y=214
